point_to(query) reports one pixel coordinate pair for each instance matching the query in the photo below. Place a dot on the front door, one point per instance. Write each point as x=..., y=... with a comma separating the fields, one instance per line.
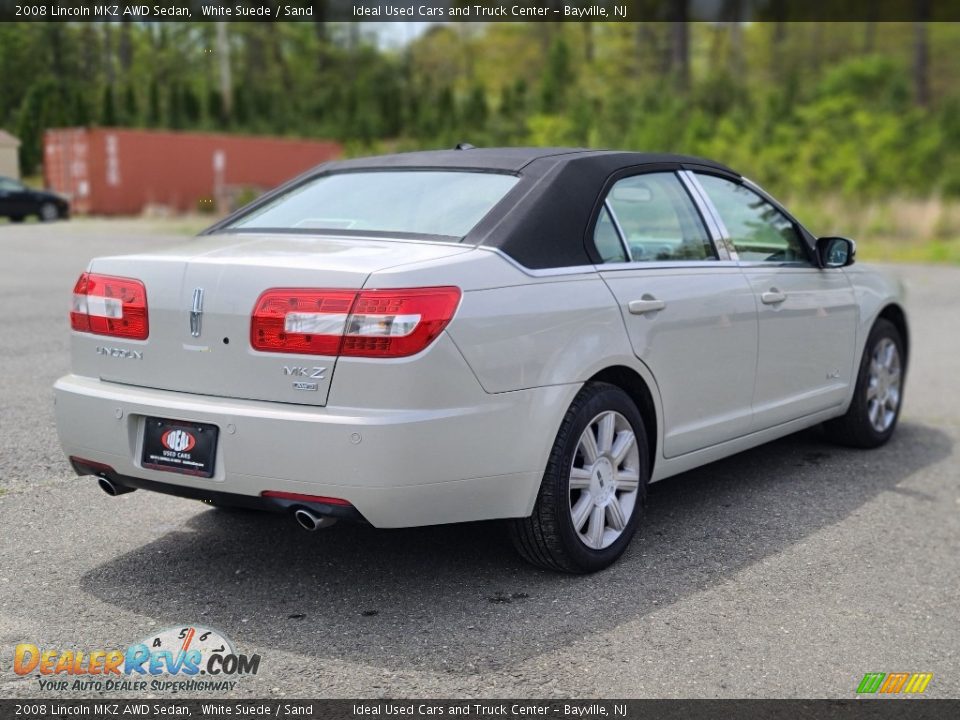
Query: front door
x=807, y=315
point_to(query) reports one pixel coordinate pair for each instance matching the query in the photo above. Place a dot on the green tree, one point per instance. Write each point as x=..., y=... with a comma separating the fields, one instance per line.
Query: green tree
x=108, y=109
x=475, y=112
x=175, y=106
x=131, y=111
x=558, y=78
x=153, y=104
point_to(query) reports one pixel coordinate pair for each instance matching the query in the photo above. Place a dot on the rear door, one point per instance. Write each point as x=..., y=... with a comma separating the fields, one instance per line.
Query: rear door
x=807, y=315
x=688, y=309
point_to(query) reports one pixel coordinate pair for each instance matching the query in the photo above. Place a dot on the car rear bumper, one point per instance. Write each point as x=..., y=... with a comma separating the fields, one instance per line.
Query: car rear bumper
x=213, y=496
x=397, y=468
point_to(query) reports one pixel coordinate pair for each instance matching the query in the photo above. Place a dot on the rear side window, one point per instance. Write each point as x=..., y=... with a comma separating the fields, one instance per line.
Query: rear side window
x=607, y=239
x=658, y=219
x=447, y=204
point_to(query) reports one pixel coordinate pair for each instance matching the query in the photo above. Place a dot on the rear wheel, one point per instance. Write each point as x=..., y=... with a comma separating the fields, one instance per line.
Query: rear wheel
x=594, y=488
x=48, y=212
x=16, y=218
x=875, y=408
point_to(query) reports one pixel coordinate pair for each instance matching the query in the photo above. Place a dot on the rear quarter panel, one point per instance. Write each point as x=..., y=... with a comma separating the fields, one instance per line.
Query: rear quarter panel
x=519, y=331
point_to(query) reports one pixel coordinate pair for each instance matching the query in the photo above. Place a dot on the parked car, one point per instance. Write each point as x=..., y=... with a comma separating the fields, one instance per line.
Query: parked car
x=17, y=201
x=441, y=337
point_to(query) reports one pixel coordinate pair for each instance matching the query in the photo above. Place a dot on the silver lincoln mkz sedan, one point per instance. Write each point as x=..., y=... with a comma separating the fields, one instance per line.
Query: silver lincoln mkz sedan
x=438, y=337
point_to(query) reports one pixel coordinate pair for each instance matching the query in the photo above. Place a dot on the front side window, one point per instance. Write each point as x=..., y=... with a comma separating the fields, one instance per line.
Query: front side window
x=658, y=220
x=759, y=231
x=447, y=204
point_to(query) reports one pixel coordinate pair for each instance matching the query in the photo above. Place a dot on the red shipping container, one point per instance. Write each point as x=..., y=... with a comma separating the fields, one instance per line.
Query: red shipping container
x=118, y=171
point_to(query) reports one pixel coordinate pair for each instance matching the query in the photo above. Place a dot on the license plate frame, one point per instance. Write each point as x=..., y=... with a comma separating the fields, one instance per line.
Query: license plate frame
x=179, y=446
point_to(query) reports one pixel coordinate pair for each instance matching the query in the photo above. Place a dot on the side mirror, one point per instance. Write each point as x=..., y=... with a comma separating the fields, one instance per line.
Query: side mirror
x=836, y=252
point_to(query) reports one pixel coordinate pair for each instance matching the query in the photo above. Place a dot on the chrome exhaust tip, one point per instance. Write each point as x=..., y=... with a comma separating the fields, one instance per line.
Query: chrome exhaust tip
x=113, y=490
x=309, y=520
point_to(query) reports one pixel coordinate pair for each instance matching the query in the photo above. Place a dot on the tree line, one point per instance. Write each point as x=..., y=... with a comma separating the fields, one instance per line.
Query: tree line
x=861, y=109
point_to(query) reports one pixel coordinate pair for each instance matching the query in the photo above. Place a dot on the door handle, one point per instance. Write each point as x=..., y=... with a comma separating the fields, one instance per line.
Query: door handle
x=773, y=297
x=645, y=305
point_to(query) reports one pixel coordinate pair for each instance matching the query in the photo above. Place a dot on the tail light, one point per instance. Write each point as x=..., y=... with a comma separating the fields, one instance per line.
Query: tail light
x=365, y=323
x=107, y=305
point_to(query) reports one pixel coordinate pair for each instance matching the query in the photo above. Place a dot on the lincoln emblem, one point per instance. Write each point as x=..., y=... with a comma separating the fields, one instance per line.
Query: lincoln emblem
x=196, y=312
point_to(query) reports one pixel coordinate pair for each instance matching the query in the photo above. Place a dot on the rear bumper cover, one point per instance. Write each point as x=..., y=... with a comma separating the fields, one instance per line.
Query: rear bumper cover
x=214, y=496
x=397, y=468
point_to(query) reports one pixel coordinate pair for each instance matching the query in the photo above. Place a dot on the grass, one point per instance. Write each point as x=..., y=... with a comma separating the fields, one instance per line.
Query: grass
x=897, y=229
x=172, y=225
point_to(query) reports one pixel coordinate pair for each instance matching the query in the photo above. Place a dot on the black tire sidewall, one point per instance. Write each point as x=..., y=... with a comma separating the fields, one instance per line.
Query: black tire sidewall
x=606, y=397
x=41, y=213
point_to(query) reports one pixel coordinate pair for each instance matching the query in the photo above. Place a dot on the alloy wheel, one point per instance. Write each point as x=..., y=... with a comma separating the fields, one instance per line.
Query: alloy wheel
x=604, y=480
x=883, y=385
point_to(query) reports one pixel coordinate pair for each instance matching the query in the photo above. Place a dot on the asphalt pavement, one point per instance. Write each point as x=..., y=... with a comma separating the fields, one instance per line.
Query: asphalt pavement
x=786, y=571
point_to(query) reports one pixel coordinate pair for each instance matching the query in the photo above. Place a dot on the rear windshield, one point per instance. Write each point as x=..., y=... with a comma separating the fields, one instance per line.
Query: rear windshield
x=427, y=202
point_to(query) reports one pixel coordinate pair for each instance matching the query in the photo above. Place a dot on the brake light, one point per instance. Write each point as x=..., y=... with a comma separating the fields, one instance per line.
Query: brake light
x=107, y=305
x=365, y=323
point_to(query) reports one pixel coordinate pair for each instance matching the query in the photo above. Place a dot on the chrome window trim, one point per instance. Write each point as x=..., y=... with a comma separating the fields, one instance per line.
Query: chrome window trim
x=619, y=228
x=796, y=264
x=613, y=267
x=715, y=226
x=668, y=265
x=764, y=194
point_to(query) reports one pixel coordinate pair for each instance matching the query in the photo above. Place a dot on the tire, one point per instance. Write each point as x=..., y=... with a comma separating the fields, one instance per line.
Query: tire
x=48, y=212
x=16, y=218
x=879, y=384
x=549, y=538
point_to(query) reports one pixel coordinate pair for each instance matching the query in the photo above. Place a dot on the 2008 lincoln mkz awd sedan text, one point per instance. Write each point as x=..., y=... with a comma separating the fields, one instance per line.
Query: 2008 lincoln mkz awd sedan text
x=440, y=337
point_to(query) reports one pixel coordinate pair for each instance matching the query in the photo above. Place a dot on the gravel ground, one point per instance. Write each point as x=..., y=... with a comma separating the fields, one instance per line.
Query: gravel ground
x=786, y=571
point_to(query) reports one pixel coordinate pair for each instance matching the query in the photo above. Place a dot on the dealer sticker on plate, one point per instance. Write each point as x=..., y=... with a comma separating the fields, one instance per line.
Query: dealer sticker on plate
x=177, y=446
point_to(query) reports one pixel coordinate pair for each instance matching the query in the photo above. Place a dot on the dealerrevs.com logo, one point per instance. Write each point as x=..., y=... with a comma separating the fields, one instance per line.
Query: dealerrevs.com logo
x=894, y=683
x=190, y=658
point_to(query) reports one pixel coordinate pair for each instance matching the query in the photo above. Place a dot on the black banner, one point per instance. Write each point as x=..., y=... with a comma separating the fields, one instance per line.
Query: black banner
x=480, y=10
x=855, y=709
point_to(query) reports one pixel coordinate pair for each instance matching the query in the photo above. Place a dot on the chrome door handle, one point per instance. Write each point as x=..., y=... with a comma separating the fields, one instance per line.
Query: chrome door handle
x=773, y=297
x=647, y=304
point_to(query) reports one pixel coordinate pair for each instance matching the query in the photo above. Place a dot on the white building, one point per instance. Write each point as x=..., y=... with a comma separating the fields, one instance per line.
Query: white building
x=9, y=161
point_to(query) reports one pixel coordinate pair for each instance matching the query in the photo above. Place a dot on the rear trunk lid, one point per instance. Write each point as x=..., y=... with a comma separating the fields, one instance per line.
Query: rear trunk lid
x=209, y=352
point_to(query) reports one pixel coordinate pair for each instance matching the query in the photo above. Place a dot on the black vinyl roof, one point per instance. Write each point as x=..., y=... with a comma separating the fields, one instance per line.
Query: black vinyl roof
x=543, y=222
